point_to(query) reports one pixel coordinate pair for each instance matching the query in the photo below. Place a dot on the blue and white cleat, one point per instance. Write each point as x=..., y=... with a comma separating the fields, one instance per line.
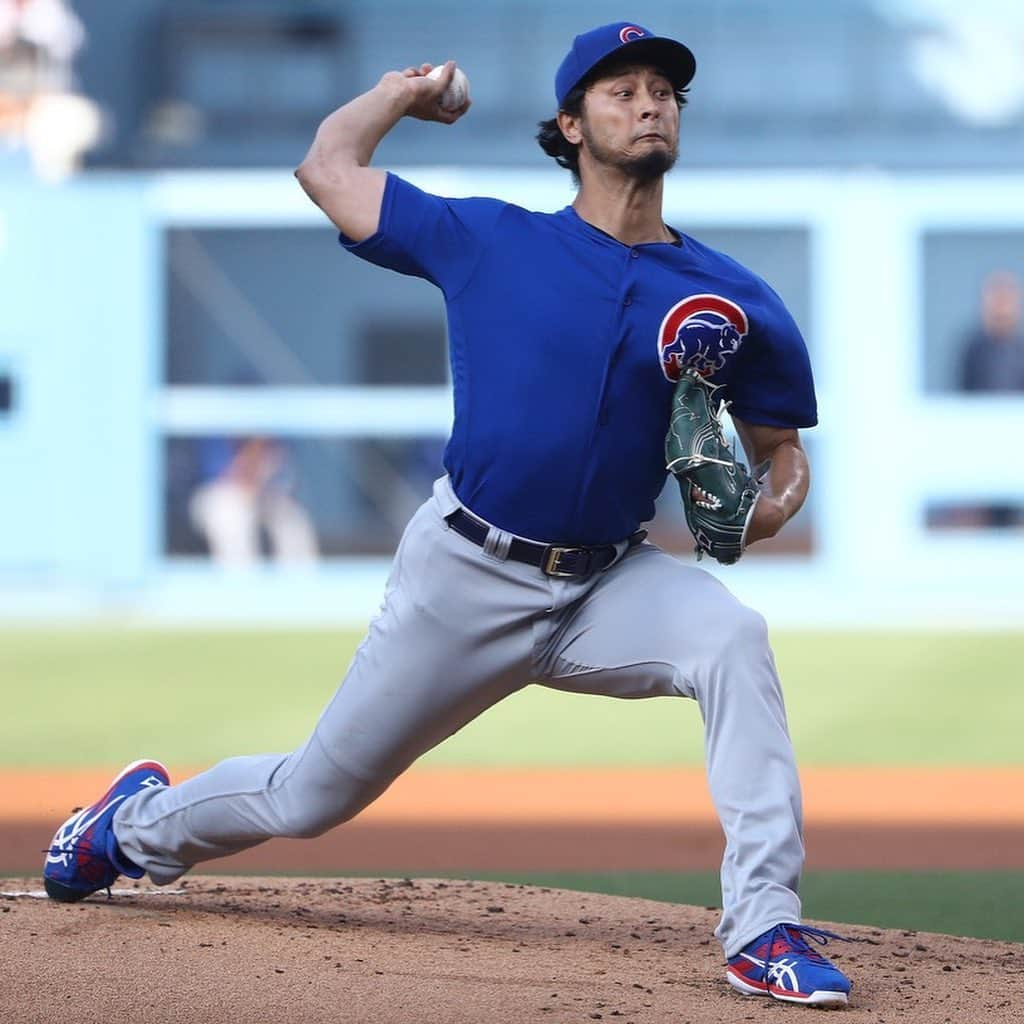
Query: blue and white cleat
x=782, y=965
x=84, y=856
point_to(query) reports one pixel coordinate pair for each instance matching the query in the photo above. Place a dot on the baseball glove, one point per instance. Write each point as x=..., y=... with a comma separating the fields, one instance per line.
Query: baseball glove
x=718, y=493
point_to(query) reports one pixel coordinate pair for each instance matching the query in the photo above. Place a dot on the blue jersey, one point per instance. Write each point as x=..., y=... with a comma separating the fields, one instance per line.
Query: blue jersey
x=565, y=347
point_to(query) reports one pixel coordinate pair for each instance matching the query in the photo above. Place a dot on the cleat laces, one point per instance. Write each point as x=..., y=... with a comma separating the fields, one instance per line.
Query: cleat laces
x=791, y=938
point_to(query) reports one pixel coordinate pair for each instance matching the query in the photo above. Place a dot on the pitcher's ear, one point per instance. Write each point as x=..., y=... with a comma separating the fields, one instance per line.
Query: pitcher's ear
x=570, y=127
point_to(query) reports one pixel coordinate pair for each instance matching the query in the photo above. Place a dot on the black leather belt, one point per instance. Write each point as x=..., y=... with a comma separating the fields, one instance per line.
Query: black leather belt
x=551, y=559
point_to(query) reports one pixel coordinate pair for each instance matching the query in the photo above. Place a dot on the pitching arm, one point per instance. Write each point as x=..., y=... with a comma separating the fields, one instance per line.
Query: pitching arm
x=336, y=174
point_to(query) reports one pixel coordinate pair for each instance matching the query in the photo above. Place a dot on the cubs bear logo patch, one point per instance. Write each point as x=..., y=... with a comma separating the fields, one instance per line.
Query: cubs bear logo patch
x=701, y=331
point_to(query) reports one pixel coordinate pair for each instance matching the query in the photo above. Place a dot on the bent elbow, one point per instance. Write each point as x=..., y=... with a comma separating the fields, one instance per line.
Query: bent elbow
x=306, y=176
x=321, y=183
x=315, y=183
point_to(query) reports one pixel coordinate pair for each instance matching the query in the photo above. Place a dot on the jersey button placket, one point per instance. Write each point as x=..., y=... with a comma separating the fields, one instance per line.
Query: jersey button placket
x=627, y=299
x=629, y=283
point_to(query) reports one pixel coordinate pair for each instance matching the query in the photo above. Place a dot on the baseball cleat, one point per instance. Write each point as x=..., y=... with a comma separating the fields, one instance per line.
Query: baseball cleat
x=780, y=964
x=84, y=856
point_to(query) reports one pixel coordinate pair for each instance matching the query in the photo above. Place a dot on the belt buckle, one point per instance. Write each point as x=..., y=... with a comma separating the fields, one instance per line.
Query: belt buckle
x=552, y=559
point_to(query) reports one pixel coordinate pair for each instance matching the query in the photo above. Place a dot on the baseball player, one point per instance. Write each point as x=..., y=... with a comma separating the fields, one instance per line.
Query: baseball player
x=528, y=563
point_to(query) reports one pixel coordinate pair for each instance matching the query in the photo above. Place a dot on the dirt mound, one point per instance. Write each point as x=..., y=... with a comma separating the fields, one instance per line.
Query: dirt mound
x=404, y=952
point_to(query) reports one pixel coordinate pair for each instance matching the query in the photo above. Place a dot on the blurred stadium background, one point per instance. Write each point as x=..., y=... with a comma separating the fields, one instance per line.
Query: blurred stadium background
x=211, y=418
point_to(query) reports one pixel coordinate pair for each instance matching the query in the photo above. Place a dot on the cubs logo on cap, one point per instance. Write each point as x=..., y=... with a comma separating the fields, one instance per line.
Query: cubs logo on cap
x=700, y=331
x=625, y=39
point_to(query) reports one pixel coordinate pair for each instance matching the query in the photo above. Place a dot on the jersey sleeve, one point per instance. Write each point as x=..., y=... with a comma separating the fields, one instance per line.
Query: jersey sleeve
x=426, y=236
x=772, y=384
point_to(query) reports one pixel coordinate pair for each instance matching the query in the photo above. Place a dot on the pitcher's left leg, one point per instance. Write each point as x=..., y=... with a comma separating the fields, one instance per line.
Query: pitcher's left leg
x=652, y=626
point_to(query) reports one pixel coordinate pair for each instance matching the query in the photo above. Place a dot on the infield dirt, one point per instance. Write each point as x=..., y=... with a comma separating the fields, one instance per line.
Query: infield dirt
x=455, y=821
x=398, y=951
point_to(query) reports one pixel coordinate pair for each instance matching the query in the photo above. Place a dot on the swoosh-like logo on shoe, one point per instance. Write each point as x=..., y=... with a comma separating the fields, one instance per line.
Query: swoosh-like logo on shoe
x=73, y=829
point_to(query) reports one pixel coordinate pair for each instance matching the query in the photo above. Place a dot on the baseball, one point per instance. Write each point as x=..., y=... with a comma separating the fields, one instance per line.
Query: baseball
x=457, y=92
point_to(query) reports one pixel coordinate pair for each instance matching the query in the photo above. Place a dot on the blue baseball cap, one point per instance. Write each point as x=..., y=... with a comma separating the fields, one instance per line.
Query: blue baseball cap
x=625, y=39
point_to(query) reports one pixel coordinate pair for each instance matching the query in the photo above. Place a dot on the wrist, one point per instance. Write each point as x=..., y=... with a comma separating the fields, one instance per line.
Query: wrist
x=393, y=88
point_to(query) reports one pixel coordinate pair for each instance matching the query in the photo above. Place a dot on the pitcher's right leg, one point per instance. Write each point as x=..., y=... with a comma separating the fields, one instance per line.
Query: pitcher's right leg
x=453, y=638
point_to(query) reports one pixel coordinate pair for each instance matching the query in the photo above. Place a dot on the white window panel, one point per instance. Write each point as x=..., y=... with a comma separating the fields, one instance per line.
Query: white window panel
x=324, y=412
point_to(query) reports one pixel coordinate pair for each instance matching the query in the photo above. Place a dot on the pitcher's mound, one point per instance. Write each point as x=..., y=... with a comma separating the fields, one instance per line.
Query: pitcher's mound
x=410, y=952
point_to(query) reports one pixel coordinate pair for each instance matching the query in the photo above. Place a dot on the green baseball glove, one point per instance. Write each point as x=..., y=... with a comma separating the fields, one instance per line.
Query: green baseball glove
x=718, y=493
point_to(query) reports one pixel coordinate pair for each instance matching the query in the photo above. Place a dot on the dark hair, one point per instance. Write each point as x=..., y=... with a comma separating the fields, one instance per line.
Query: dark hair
x=550, y=138
x=554, y=143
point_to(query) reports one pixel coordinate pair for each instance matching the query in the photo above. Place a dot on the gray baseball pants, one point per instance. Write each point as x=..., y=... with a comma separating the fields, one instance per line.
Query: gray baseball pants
x=460, y=628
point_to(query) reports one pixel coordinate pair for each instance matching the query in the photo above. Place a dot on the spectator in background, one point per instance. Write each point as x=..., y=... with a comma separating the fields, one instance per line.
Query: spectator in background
x=993, y=360
x=993, y=356
x=249, y=496
x=39, y=107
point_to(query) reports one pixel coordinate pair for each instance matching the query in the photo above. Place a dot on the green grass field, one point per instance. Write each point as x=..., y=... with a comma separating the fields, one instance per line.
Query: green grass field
x=98, y=697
